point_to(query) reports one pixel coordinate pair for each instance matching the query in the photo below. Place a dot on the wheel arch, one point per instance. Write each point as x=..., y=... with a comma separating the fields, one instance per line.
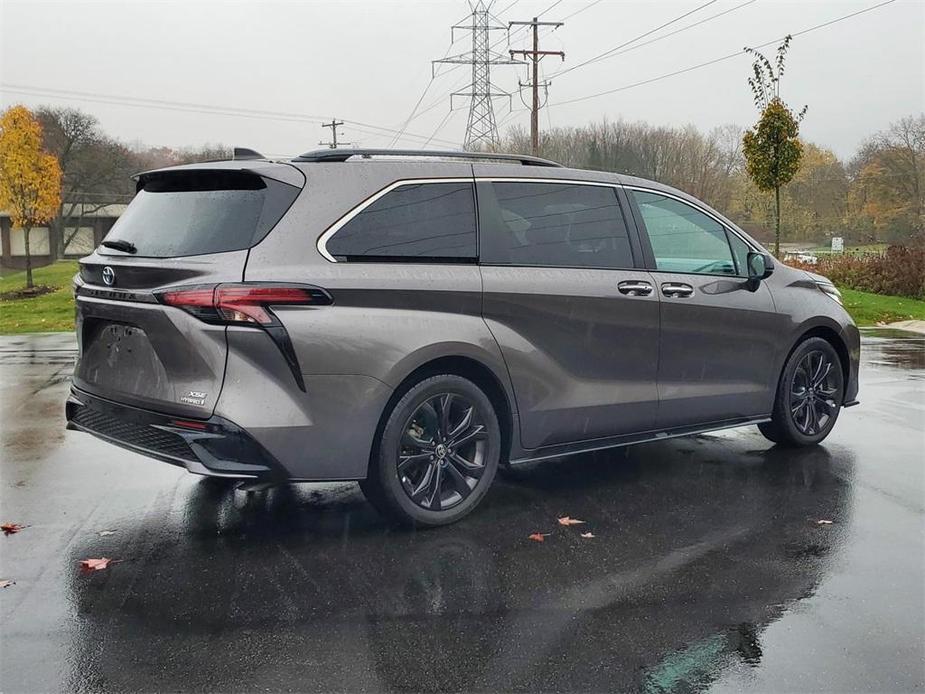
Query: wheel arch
x=469, y=368
x=834, y=338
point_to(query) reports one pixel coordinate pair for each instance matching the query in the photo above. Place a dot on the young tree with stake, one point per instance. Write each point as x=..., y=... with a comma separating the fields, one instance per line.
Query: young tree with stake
x=772, y=148
x=30, y=179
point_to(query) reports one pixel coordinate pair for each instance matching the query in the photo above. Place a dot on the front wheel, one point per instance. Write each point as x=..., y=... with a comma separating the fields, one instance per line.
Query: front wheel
x=437, y=455
x=809, y=395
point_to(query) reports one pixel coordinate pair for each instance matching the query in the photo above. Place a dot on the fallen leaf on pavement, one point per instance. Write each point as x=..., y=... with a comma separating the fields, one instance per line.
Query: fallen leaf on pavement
x=587, y=536
x=106, y=533
x=565, y=520
x=824, y=522
x=12, y=528
x=4, y=583
x=539, y=537
x=96, y=564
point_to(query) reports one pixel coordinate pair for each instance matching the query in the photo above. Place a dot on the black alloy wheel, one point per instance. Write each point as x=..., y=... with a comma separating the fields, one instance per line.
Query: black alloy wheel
x=809, y=395
x=437, y=454
x=442, y=453
x=812, y=393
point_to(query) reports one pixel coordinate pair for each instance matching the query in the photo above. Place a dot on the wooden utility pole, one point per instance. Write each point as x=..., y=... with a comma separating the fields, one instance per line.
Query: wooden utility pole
x=535, y=55
x=333, y=126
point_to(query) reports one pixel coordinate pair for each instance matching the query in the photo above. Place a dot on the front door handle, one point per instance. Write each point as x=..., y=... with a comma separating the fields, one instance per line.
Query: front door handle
x=635, y=288
x=677, y=290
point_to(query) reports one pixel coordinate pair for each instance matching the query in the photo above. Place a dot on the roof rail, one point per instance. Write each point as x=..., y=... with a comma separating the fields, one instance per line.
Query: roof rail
x=340, y=155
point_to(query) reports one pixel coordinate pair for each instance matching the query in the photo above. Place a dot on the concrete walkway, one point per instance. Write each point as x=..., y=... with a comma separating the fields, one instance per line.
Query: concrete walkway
x=915, y=326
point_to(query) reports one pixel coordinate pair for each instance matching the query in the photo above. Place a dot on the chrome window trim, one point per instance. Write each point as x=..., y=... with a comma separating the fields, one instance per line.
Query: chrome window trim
x=321, y=244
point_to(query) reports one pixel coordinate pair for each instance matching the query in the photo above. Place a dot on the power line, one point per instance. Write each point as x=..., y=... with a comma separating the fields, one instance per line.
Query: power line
x=440, y=126
x=407, y=121
x=549, y=8
x=676, y=31
x=547, y=109
x=577, y=12
x=417, y=105
x=187, y=107
x=721, y=58
x=633, y=40
x=615, y=51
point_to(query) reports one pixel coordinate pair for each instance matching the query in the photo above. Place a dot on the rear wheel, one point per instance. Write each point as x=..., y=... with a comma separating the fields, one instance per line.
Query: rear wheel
x=437, y=455
x=809, y=396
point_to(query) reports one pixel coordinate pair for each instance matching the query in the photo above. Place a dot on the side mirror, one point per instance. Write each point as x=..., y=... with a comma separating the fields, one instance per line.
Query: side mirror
x=760, y=266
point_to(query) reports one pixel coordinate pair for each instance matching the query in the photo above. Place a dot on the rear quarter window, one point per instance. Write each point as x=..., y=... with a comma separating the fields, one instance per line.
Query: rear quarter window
x=413, y=222
x=182, y=214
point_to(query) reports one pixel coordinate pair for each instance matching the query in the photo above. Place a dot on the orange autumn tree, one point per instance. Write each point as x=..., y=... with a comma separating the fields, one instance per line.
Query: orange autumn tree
x=30, y=178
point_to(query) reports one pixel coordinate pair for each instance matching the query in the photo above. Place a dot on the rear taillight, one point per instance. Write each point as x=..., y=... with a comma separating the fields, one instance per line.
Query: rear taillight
x=249, y=304
x=242, y=303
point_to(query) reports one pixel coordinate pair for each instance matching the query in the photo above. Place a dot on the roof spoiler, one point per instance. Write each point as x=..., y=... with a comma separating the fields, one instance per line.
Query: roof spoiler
x=245, y=153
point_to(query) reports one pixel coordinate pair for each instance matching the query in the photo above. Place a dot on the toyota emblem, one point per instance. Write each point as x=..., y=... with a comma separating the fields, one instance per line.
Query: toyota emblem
x=109, y=276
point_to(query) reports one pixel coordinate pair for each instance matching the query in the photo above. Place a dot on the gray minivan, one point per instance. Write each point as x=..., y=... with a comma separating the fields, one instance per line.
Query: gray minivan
x=414, y=320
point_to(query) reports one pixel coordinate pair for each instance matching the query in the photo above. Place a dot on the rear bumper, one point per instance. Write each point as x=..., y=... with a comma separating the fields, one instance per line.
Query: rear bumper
x=216, y=447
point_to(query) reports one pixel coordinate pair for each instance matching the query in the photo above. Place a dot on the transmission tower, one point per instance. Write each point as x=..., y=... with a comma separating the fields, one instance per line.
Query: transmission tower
x=482, y=129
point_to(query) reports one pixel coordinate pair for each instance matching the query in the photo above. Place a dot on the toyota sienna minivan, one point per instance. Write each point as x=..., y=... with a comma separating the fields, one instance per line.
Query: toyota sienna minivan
x=414, y=320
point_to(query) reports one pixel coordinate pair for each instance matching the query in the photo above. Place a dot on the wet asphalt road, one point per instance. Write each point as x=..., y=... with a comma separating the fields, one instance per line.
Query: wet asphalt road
x=708, y=569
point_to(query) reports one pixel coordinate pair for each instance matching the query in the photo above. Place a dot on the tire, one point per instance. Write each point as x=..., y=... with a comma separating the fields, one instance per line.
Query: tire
x=809, y=396
x=447, y=463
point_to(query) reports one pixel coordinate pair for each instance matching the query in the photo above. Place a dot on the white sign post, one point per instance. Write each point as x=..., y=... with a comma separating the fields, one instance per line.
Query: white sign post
x=838, y=244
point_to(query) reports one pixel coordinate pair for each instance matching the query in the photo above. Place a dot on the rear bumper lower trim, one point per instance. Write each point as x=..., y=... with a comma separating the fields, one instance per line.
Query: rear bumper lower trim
x=221, y=449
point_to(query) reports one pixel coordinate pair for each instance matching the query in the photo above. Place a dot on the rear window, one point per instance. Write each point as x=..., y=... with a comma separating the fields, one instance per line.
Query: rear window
x=416, y=221
x=181, y=214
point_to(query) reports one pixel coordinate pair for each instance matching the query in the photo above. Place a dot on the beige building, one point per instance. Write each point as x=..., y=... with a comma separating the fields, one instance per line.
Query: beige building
x=83, y=233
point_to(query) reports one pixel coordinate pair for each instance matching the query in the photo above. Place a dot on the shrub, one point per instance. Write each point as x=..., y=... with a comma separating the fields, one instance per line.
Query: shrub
x=899, y=271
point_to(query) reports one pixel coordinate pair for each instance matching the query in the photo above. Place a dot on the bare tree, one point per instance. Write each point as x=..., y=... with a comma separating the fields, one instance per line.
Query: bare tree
x=96, y=170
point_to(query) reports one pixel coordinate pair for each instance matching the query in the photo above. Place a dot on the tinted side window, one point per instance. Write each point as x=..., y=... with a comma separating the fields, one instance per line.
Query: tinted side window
x=552, y=224
x=683, y=238
x=412, y=222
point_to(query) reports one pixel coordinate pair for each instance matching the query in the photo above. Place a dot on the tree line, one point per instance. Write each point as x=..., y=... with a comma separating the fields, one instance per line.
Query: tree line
x=876, y=196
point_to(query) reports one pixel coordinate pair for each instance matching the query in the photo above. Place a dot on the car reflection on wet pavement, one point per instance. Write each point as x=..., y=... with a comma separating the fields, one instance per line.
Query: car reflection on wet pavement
x=708, y=568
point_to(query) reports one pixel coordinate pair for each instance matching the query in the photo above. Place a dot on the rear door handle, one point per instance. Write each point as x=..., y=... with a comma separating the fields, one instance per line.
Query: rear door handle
x=677, y=289
x=635, y=288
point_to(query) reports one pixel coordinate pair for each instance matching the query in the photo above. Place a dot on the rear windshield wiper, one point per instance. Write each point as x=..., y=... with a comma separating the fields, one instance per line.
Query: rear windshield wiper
x=126, y=246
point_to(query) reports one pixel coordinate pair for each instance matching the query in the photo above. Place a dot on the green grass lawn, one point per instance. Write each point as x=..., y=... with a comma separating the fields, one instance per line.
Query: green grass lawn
x=46, y=313
x=55, y=311
x=870, y=309
x=866, y=248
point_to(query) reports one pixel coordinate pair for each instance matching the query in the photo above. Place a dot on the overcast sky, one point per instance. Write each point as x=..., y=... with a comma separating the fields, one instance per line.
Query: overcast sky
x=369, y=62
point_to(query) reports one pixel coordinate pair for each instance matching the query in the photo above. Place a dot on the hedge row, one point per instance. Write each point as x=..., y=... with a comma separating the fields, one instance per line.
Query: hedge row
x=899, y=271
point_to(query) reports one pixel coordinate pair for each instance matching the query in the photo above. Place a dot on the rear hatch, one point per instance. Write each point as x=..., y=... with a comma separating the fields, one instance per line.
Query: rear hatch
x=186, y=234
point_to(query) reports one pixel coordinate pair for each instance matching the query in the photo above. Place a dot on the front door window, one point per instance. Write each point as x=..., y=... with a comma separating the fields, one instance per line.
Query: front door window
x=683, y=238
